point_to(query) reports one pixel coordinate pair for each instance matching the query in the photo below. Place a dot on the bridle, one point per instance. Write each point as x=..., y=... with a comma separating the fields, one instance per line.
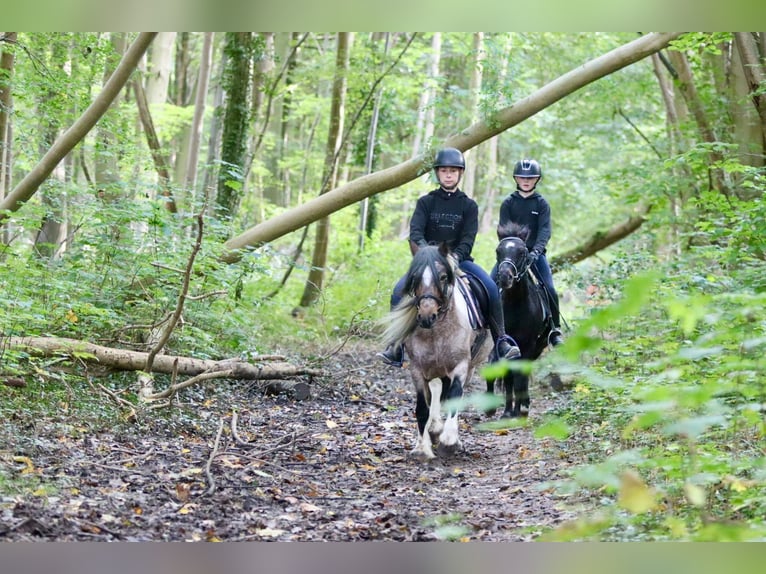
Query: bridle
x=517, y=273
x=442, y=303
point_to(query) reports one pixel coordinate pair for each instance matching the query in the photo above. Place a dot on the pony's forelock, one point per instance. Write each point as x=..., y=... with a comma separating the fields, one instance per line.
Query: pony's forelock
x=512, y=229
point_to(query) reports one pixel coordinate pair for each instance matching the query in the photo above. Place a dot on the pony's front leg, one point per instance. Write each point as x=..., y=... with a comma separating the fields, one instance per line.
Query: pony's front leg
x=449, y=439
x=435, y=413
x=423, y=447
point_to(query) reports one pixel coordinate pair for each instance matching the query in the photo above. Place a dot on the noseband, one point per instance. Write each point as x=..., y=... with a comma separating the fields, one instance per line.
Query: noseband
x=441, y=306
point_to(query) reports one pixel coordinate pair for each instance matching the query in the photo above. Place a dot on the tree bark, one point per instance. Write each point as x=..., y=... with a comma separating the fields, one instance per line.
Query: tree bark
x=756, y=79
x=686, y=85
x=6, y=75
x=74, y=135
x=402, y=173
x=315, y=279
x=124, y=360
x=161, y=61
x=160, y=161
x=235, y=124
x=468, y=185
x=199, y=112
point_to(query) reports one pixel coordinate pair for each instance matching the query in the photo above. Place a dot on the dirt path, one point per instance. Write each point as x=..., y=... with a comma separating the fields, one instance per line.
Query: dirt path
x=332, y=467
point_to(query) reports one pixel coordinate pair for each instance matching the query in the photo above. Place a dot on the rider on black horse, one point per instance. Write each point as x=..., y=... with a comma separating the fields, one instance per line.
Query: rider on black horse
x=527, y=207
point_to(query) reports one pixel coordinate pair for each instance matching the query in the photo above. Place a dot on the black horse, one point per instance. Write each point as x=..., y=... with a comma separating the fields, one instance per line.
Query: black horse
x=526, y=312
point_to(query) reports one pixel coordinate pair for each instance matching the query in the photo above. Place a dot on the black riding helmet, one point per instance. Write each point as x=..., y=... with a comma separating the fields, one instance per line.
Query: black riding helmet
x=449, y=157
x=527, y=168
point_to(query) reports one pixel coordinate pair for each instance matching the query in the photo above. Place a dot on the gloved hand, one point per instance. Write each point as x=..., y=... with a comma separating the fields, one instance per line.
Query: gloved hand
x=532, y=257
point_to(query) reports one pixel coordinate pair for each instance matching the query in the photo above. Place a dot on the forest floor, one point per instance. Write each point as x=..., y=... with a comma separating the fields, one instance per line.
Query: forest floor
x=334, y=466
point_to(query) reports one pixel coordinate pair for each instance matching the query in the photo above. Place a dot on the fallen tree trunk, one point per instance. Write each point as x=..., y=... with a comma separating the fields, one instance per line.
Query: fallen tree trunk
x=598, y=241
x=124, y=360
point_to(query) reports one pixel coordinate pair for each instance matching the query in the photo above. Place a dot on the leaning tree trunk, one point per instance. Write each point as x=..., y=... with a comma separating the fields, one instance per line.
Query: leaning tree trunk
x=75, y=134
x=315, y=279
x=687, y=88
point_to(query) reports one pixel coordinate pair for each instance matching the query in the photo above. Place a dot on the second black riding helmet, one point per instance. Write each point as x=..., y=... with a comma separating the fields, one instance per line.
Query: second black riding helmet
x=527, y=168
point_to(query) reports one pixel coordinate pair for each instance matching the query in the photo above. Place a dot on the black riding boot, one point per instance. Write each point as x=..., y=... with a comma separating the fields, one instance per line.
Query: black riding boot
x=505, y=346
x=554, y=337
x=393, y=355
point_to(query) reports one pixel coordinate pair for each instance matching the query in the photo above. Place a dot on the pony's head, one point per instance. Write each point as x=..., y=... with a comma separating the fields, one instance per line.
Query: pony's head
x=511, y=254
x=429, y=283
x=428, y=291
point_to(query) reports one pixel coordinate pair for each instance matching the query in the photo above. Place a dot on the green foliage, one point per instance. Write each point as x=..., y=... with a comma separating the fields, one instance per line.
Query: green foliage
x=685, y=423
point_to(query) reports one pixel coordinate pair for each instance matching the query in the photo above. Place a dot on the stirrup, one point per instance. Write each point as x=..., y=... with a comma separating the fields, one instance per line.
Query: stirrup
x=513, y=351
x=393, y=356
x=554, y=338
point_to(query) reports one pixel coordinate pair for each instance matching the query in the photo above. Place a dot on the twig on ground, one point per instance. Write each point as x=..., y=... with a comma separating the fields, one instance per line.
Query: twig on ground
x=208, y=473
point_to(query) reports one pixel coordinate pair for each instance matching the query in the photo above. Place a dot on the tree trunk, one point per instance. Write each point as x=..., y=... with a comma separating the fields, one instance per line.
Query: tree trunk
x=160, y=63
x=74, y=135
x=313, y=286
x=6, y=76
x=686, y=85
x=181, y=87
x=398, y=175
x=199, y=113
x=367, y=211
x=488, y=207
x=598, y=241
x=160, y=161
x=124, y=360
x=473, y=157
x=235, y=124
x=106, y=170
x=755, y=78
x=424, y=129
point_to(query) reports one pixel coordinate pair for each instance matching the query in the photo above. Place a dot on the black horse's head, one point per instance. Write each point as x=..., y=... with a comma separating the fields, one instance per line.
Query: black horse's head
x=511, y=254
x=430, y=281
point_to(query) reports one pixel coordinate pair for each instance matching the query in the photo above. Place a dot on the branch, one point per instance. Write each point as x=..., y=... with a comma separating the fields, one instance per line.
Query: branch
x=168, y=330
x=598, y=241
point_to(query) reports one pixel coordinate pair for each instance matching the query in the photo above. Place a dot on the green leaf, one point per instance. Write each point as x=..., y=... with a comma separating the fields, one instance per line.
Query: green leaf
x=556, y=428
x=696, y=426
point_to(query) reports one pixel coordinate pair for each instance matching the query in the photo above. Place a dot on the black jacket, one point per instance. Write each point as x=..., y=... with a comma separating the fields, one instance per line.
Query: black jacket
x=451, y=217
x=532, y=211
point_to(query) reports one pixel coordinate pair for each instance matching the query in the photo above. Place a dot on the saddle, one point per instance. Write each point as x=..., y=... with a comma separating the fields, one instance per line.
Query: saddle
x=477, y=301
x=476, y=298
x=545, y=298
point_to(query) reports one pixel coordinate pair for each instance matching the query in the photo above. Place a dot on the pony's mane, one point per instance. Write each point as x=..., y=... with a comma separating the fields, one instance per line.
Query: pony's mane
x=512, y=229
x=401, y=321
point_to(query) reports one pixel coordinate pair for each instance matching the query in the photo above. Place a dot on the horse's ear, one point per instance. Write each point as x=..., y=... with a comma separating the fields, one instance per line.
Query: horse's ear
x=502, y=232
x=444, y=249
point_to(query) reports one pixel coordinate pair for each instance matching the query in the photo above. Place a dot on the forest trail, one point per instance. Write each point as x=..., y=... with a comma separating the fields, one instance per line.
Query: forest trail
x=332, y=467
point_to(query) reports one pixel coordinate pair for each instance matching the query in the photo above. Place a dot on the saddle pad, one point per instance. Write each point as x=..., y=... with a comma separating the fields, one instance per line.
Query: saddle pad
x=475, y=315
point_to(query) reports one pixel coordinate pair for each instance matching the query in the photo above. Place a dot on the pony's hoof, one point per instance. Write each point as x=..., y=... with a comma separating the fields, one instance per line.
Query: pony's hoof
x=510, y=415
x=448, y=450
x=419, y=454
